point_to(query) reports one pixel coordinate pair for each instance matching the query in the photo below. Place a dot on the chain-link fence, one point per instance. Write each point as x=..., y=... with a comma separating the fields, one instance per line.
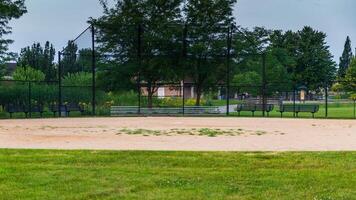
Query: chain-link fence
x=171, y=69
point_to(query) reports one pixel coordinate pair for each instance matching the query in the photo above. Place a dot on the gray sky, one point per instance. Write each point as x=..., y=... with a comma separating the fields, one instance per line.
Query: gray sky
x=61, y=20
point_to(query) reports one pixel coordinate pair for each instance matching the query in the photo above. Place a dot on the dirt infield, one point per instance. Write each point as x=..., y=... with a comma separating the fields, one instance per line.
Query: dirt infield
x=254, y=134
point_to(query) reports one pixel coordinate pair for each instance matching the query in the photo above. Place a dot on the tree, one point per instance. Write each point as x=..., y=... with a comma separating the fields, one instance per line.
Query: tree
x=301, y=57
x=250, y=47
x=69, y=59
x=345, y=59
x=9, y=10
x=350, y=77
x=118, y=34
x=39, y=58
x=315, y=66
x=208, y=35
x=249, y=82
x=27, y=73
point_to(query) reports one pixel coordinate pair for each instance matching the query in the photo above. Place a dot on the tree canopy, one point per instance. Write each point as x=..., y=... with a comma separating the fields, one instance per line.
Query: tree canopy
x=156, y=41
x=40, y=58
x=9, y=10
x=345, y=59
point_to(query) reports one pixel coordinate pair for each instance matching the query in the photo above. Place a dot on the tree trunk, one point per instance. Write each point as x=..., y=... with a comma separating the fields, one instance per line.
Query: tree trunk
x=198, y=99
x=149, y=98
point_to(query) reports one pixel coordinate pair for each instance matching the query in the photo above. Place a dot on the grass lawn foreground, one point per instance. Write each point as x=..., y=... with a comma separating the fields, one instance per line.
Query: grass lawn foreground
x=50, y=174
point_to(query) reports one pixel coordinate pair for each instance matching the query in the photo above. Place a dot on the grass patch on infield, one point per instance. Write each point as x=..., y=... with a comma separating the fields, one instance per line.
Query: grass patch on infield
x=48, y=174
x=193, y=132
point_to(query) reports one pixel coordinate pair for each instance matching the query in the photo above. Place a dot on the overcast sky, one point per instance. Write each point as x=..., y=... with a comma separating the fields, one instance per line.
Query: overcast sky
x=61, y=20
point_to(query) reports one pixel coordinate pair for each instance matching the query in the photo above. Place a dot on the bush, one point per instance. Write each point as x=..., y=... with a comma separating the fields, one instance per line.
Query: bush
x=28, y=74
x=78, y=79
x=353, y=97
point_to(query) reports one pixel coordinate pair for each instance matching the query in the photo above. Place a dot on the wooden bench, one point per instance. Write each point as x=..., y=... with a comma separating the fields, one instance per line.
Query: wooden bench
x=299, y=108
x=254, y=108
x=15, y=108
x=189, y=110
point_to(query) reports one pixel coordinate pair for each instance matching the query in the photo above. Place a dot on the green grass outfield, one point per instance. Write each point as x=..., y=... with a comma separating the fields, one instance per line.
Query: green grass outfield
x=47, y=174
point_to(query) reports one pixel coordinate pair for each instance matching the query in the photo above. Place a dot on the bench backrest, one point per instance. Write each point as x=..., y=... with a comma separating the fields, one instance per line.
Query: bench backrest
x=14, y=108
x=255, y=107
x=299, y=108
x=74, y=107
x=120, y=110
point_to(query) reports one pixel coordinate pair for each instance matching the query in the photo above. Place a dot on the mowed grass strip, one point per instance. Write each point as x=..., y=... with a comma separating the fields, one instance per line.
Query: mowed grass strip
x=49, y=174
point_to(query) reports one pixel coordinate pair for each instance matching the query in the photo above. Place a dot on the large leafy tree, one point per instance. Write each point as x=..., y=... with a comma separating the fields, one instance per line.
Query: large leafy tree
x=350, y=77
x=250, y=46
x=301, y=57
x=345, y=59
x=208, y=22
x=40, y=58
x=151, y=21
x=315, y=66
x=9, y=9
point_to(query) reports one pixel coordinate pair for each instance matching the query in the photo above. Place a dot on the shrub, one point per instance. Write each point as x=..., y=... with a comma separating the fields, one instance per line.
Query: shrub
x=78, y=79
x=353, y=97
x=28, y=74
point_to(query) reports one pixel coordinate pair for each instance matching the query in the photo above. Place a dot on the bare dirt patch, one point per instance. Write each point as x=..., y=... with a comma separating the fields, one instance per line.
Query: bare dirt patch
x=190, y=134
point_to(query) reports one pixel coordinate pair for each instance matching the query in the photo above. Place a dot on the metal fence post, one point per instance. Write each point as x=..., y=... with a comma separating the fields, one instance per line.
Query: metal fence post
x=326, y=101
x=294, y=100
x=59, y=83
x=93, y=71
x=264, y=84
x=229, y=41
x=139, y=57
x=29, y=99
x=184, y=55
x=355, y=108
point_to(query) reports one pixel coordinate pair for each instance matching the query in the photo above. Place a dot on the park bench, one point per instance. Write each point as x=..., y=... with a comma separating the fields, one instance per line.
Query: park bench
x=189, y=110
x=19, y=108
x=201, y=110
x=254, y=108
x=74, y=107
x=299, y=108
x=71, y=107
x=54, y=108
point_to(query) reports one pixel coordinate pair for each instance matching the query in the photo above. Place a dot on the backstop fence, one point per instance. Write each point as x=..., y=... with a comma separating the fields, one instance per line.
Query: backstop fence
x=174, y=69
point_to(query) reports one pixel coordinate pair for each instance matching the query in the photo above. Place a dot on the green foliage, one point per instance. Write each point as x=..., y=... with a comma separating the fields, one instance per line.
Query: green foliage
x=40, y=58
x=9, y=10
x=78, y=79
x=350, y=77
x=76, y=60
x=314, y=60
x=153, y=68
x=301, y=57
x=158, y=39
x=129, y=98
x=28, y=74
x=207, y=42
x=337, y=87
x=18, y=93
x=345, y=59
x=353, y=97
x=249, y=82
